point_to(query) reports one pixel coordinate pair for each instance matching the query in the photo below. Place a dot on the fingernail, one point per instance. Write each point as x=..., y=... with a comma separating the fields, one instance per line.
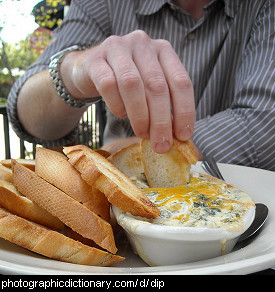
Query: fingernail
x=185, y=133
x=162, y=146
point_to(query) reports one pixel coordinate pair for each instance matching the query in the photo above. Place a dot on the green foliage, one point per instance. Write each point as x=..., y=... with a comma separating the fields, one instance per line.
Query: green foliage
x=19, y=57
x=15, y=59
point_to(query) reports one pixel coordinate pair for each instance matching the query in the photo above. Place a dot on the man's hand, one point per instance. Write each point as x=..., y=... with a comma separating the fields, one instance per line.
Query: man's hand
x=140, y=78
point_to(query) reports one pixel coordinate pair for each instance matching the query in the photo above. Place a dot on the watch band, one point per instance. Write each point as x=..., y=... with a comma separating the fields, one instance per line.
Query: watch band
x=54, y=69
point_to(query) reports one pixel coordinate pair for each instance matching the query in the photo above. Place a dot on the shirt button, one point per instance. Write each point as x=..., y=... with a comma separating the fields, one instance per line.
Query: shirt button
x=191, y=36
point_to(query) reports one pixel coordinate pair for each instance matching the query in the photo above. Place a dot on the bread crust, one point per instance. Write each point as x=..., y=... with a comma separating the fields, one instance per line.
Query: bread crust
x=187, y=149
x=13, y=201
x=5, y=173
x=59, y=204
x=51, y=243
x=29, y=163
x=118, y=188
x=169, y=169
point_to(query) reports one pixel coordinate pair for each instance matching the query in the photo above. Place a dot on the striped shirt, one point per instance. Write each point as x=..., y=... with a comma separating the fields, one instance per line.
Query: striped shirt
x=228, y=54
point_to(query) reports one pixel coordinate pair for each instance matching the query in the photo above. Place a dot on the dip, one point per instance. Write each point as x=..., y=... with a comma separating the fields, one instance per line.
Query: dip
x=204, y=202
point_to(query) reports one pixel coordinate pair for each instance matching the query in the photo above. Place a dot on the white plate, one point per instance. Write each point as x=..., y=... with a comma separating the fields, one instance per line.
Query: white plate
x=256, y=256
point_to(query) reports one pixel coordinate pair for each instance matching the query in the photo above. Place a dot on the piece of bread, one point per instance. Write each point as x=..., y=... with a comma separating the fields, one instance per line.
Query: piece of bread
x=128, y=161
x=13, y=201
x=50, y=243
x=117, y=187
x=103, y=152
x=76, y=236
x=29, y=163
x=5, y=173
x=59, y=204
x=169, y=169
x=54, y=167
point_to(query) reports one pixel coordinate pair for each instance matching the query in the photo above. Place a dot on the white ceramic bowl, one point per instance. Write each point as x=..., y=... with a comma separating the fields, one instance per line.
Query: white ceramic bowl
x=170, y=245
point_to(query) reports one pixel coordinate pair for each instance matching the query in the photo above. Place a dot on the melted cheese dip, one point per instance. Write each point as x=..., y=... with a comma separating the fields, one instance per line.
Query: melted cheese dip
x=204, y=202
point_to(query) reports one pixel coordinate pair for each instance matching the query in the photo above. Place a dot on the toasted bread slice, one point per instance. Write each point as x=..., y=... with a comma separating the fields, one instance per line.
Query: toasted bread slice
x=118, y=188
x=50, y=243
x=103, y=152
x=169, y=169
x=29, y=163
x=5, y=173
x=54, y=167
x=14, y=202
x=59, y=204
x=128, y=161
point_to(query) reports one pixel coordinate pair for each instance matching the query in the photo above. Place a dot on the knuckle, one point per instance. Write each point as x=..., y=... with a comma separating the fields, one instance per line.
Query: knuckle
x=181, y=118
x=156, y=85
x=113, y=39
x=164, y=44
x=140, y=34
x=184, y=112
x=118, y=110
x=129, y=81
x=182, y=81
x=105, y=84
x=141, y=119
x=161, y=125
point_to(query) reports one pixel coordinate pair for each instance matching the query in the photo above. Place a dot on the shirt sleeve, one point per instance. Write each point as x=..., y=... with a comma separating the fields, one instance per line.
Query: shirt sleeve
x=86, y=24
x=245, y=132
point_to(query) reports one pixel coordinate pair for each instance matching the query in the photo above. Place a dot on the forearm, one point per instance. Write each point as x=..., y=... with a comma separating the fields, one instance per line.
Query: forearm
x=28, y=108
x=42, y=112
x=130, y=86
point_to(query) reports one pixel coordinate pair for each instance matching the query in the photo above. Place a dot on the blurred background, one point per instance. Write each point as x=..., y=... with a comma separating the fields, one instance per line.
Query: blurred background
x=25, y=30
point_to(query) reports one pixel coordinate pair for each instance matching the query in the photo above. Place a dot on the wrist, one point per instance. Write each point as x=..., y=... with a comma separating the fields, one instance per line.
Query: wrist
x=70, y=71
x=62, y=72
x=75, y=75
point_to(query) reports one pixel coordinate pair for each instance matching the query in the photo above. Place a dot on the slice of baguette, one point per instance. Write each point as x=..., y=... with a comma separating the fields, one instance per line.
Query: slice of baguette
x=51, y=243
x=103, y=152
x=29, y=163
x=68, y=210
x=128, y=161
x=5, y=173
x=118, y=188
x=54, y=167
x=169, y=169
x=13, y=201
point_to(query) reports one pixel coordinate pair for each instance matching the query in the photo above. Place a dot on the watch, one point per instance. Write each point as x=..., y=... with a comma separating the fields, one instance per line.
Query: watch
x=54, y=69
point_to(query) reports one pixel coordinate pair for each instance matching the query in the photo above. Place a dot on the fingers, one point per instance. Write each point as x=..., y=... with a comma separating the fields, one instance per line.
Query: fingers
x=131, y=89
x=181, y=92
x=104, y=80
x=157, y=95
x=144, y=79
x=118, y=81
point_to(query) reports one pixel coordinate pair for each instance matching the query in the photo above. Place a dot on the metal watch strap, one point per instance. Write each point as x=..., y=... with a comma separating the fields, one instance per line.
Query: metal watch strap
x=54, y=69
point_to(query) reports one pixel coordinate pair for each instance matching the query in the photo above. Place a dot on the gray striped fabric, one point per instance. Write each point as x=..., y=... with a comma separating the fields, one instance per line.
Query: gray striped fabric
x=228, y=53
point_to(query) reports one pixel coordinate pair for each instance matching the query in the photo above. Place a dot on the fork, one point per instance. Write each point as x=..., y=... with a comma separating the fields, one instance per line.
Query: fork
x=210, y=165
